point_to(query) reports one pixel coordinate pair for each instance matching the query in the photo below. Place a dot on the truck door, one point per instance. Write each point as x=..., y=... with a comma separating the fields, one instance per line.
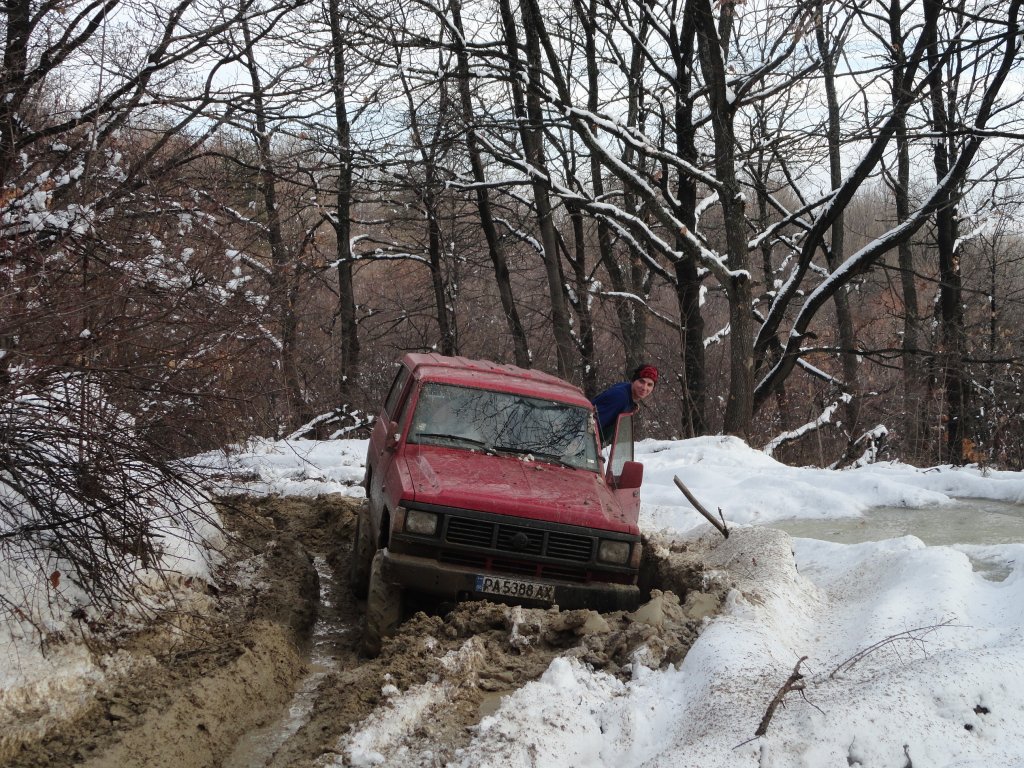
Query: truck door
x=382, y=440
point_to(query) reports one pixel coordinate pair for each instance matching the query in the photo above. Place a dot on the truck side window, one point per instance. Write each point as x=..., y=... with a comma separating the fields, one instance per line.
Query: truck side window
x=391, y=405
x=622, y=446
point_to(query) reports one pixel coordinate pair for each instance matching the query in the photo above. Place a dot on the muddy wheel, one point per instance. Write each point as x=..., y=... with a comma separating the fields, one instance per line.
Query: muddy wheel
x=383, y=609
x=363, y=548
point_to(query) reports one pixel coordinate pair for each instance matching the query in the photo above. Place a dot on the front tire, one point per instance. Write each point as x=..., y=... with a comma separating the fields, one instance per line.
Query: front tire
x=383, y=608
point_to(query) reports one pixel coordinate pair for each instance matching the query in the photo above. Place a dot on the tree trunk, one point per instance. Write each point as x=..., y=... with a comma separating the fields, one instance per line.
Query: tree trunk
x=347, y=320
x=838, y=202
x=501, y=273
x=693, y=379
x=430, y=143
x=445, y=320
x=284, y=275
x=836, y=252
x=951, y=318
x=530, y=117
x=913, y=368
x=581, y=279
x=12, y=80
x=711, y=41
x=631, y=316
x=773, y=348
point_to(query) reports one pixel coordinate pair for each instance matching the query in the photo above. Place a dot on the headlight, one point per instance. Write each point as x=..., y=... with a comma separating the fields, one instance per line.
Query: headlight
x=423, y=523
x=615, y=552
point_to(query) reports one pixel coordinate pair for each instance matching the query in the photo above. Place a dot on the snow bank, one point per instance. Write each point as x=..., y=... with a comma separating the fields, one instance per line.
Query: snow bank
x=930, y=662
x=289, y=468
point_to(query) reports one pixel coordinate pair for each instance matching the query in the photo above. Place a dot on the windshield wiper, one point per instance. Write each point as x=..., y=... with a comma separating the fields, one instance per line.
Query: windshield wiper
x=461, y=438
x=515, y=449
x=552, y=458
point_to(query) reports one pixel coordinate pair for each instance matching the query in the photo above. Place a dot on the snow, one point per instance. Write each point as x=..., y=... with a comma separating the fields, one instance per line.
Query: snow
x=909, y=655
x=823, y=418
x=55, y=676
x=292, y=468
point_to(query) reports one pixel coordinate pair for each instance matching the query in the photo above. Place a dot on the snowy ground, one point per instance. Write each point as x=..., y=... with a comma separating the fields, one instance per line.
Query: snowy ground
x=913, y=658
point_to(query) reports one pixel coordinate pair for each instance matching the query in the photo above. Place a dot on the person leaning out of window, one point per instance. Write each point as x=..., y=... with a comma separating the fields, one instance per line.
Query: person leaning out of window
x=623, y=397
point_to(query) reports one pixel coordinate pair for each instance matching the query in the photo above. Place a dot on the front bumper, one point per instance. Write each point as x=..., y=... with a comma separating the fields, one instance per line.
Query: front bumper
x=453, y=582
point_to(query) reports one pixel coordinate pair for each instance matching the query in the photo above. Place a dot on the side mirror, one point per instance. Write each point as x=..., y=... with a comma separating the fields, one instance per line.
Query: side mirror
x=632, y=475
x=393, y=435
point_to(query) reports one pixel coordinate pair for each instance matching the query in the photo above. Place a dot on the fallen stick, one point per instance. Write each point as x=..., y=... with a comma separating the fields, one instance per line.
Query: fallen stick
x=699, y=507
x=795, y=682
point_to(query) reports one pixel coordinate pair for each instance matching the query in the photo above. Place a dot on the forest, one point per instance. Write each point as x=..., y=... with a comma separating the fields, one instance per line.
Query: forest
x=220, y=220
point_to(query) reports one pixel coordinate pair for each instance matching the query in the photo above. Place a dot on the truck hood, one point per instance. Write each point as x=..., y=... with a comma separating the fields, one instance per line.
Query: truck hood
x=510, y=485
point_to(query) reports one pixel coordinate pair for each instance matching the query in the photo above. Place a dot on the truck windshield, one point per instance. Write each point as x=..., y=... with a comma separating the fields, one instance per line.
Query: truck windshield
x=499, y=422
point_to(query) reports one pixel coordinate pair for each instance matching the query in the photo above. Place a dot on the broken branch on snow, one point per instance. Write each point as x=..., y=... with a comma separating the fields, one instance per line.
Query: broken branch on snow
x=795, y=682
x=700, y=508
x=915, y=635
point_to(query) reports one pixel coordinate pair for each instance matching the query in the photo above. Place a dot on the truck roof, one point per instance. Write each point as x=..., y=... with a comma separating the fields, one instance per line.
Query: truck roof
x=486, y=374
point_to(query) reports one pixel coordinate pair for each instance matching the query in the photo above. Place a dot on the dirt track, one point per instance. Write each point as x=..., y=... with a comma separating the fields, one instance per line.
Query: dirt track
x=264, y=670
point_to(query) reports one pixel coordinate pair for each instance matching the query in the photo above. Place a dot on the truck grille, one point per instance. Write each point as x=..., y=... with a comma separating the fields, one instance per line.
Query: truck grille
x=517, y=540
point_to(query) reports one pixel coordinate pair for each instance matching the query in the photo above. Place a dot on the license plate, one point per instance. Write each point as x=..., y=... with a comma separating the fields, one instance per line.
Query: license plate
x=515, y=588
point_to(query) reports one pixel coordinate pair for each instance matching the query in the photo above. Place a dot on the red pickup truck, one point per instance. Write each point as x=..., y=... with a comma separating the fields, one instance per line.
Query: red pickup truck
x=487, y=481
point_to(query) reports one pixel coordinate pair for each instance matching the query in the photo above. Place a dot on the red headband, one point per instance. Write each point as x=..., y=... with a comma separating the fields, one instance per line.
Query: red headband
x=647, y=372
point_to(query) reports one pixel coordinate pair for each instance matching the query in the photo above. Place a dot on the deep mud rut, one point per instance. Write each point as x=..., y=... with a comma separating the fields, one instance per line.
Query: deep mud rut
x=264, y=670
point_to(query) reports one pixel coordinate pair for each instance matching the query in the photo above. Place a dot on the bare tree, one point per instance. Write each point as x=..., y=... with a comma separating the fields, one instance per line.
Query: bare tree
x=638, y=171
x=830, y=44
x=483, y=196
x=866, y=257
x=431, y=140
x=527, y=103
x=340, y=27
x=944, y=73
x=912, y=360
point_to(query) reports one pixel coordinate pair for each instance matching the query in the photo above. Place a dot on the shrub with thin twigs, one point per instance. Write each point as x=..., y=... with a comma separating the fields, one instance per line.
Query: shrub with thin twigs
x=90, y=511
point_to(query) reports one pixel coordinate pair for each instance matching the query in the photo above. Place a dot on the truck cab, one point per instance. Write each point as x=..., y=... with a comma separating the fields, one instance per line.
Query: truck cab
x=488, y=481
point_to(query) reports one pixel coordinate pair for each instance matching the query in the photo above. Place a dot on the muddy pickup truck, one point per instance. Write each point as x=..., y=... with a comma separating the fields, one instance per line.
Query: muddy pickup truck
x=487, y=481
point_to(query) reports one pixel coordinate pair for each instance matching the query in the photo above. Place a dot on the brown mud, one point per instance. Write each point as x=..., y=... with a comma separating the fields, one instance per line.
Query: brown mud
x=220, y=684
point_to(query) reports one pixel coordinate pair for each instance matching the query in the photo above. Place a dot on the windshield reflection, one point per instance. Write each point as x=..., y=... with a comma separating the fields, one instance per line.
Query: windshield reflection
x=499, y=422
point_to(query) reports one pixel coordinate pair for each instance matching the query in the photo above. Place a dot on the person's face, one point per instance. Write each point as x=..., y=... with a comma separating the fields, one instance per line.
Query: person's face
x=642, y=387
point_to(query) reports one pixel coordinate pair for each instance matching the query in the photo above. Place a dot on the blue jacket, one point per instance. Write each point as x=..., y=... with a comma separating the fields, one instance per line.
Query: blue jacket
x=617, y=399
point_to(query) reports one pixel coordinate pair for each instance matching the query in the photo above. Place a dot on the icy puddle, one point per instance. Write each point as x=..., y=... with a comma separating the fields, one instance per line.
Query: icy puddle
x=969, y=521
